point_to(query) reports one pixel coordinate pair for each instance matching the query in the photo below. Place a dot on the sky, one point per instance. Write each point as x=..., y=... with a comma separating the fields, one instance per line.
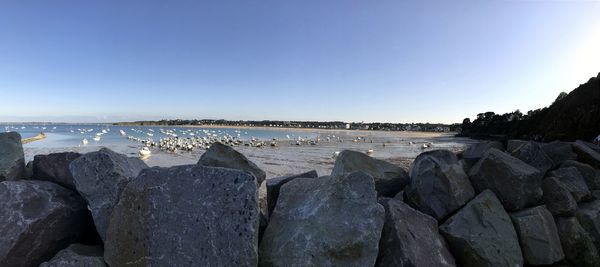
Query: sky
x=372, y=61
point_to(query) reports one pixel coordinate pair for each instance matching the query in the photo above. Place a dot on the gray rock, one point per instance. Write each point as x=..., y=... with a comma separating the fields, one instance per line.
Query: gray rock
x=573, y=181
x=538, y=236
x=328, y=221
x=274, y=185
x=586, y=154
x=559, y=152
x=482, y=234
x=400, y=196
x=411, y=238
x=220, y=155
x=187, y=215
x=100, y=177
x=28, y=171
x=389, y=178
x=514, y=182
x=513, y=145
x=588, y=215
x=12, y=159
x=55, y=168
x=596, y=194
x=38, y=219
x=476, y=151
x=558, y=198
x=577, y=245
x=77, y=255
x=439, y=185
x=533, y=154
x=591, y=176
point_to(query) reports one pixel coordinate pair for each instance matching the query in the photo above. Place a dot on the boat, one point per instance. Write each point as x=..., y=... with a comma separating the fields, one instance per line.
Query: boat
x=84, y=141
x=96, y=138
x=122, y=132
x=145, y=152
x=369, y=151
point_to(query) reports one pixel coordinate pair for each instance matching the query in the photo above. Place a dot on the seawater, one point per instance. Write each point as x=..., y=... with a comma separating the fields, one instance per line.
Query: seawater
x=71, y=135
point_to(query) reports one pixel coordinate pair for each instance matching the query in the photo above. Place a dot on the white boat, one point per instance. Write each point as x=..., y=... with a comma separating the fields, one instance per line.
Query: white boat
x=96, y=138
x=145, y=152
x=369, y=151
x=122, y=132
x=150, y=134
x=84, y=141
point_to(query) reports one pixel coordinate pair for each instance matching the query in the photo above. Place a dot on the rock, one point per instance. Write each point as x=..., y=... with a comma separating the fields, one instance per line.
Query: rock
x=28, y=171
x=538, y=236
x=514, y=145
x=389, y=178
x=411, y=238
x=77, y=255
x=274, y=184
x=100, y=177
x=533, y=154
x=573, y=181
x=596, y=194
x=591, y=176
x=515, y=183
x=588, y=215
x=329, y=221
x=577, y=245
x=189, y=215
x=586, y=154
x=220, y=155
x=482, y=234
x=12, y=159
x=38, y=219
x=55, y=168
x=559, y=152
x=400, y=196
x=558, y=198
x=439, y=185
x=476, y=151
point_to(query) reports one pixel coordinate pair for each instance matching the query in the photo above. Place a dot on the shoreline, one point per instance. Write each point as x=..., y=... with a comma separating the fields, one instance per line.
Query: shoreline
x=38, y=137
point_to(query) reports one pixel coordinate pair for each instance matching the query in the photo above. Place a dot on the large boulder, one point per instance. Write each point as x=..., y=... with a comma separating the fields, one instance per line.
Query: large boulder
x=438, y=184
x=533, y=154
x=77, y=255
x=586, y=154
x=538, y=236
x=389, y=178
x=220, y=155
x=55, y=168
x=274, y=185
x=573, y=181
x=12, y=159
x=588, y=215
x=591, y=175
x=100, y=177
x=514, y=182
x=577, y=245
x=411, y=238
x=187, y=215
x=514, y=144
x=38, y=219
x=326, y=221
x=558, y=199
x=559, y=151
x=482, y=234
x=476, y=151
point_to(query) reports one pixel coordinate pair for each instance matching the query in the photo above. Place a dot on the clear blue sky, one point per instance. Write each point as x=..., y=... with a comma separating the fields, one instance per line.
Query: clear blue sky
x=394, y=61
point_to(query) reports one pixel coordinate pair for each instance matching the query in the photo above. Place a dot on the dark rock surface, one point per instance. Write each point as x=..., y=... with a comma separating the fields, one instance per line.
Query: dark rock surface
x=100, y=177
x=329, y=221
x=38, y=219
x=411, y=238
x=482, y=234
x=538, y=236
x=12, y=159
x=220, y=155
x=588, y=215
x=274, y=185
x=439, y=185
x=514, y=182
x=591, y=175
x=55, y=168
x=558, y=198
x=586, y=154
x=187, y=215
x=533, y=154
x=559, y=152
x=389, y=178
x=476, y=151
x=577, y=245
x=77, y=255
x=573, y=181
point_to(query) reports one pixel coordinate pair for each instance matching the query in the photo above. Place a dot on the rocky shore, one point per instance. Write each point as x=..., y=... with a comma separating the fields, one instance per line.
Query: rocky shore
x=495, y=204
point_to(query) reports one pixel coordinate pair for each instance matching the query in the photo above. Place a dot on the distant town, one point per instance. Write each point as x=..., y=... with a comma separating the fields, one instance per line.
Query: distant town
x=376, y=126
